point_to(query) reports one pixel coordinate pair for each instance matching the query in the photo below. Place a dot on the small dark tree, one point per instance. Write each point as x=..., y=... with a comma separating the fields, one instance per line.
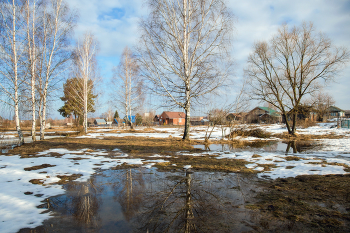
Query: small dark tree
x=116, y=114
x=138, y=119
x=72, y=104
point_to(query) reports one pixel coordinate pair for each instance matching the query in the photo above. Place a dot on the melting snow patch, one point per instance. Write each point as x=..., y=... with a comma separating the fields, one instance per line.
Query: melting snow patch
x=18, y=210
x=149, y=166
x=251, y=165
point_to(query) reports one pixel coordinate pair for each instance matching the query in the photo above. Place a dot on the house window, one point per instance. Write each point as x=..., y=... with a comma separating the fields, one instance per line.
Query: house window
x=180, y=120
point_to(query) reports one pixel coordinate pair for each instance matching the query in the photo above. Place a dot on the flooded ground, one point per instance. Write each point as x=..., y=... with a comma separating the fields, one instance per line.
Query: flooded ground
x=140, y=185
x=143, y=200
x=146, y=200
x=268, y=146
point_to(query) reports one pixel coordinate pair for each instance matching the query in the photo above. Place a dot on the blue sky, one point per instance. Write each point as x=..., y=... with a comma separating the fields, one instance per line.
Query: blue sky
x=115, y=25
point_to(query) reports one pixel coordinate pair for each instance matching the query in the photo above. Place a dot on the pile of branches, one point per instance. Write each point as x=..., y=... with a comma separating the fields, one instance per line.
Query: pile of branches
x=248, y=132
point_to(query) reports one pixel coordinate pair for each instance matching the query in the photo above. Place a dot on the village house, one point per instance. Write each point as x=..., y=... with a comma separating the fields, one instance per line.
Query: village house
x=263, y=114
x=199, y=120
x=235, y=117
x=347, y=113
x=335, y=112
x=100, y=122
x=172, y=118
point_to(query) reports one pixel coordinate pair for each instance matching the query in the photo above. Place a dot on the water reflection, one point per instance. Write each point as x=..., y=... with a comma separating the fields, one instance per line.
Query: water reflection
x=186, y=205
x=128, y=187
x=137, y=200
x=269, y=146
x=82, y=203
x=293, y=145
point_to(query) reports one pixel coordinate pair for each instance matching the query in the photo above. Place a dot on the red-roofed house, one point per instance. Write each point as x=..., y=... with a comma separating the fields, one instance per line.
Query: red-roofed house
x=172, y=118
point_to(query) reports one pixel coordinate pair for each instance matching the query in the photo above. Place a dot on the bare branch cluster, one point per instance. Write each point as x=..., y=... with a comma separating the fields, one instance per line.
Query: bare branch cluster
x=129, y=84
x=185, y=49
x=294, y=64
x=33, y=53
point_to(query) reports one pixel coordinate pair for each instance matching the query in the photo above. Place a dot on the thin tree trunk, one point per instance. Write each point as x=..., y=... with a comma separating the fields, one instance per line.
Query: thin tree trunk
x=32, y=55
x=187, y=123
x=43, y=120
x=15, y=67
x=294, y=123
x=186, y=73
x=287, y=123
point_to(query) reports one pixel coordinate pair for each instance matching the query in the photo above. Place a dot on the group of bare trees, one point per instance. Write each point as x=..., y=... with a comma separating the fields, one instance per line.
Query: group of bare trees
x=295, y=64
x=130, y=86
x=183, y=55
x=33, y=53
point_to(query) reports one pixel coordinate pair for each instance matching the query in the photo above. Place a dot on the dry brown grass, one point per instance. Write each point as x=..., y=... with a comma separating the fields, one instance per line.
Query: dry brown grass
x=139, y=147
x=126, y=144
x=250, y=132
x=317, y=203
x=306, y=137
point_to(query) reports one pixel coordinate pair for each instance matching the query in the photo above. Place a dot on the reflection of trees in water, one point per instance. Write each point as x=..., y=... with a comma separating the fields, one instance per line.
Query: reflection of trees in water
x=81, y=202
x=184, y=205
x=155, y=201
x=128, y=187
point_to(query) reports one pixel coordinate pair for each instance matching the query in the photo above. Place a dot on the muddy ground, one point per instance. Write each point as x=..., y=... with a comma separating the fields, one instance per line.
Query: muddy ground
x=301, y=204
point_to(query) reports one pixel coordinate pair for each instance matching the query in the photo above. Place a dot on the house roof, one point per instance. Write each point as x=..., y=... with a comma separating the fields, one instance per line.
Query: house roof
x=234, y=114
x=269, y=111
x=100, y=121
x=335, y=109
x=172, y=115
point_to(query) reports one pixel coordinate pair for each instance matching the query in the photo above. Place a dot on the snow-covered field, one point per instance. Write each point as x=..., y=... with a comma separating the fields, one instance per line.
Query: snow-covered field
x=19, y=197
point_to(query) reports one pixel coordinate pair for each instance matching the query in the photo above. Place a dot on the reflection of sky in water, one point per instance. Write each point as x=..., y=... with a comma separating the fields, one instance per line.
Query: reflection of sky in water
x=134, y=200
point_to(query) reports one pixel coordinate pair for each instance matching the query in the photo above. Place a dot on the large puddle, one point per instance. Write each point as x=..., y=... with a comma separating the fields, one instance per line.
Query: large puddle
x=145, y=200
x=269, y=146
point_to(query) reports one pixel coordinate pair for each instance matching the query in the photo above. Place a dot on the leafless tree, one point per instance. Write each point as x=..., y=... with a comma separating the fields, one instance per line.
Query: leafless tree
x=57, y=23
x=218, y=115
x=185, y=50
x=321, y=102
x=85, y=68
x=12, y=38
x=292, y=65
x=32, y=29
x=130, y=84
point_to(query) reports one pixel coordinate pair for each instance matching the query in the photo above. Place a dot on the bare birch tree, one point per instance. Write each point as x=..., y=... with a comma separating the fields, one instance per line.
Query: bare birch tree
x=85, y=69
x=57, y=23
x=11, y=50
x=130, y=84
x=185, y=49
x=292, y=65
x=31, y=54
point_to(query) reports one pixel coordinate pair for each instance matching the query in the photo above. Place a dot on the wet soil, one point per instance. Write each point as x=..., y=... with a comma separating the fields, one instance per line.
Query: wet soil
x=305, y=204
x=227, y=197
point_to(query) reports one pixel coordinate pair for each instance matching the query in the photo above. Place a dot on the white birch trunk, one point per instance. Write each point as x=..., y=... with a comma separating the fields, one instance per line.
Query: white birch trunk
x=15, y=69
x=32, y=61
x=186, y=71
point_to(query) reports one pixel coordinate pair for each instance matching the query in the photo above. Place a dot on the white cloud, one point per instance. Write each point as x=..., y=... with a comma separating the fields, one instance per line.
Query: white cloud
x=259, y=20
x=115, y=24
